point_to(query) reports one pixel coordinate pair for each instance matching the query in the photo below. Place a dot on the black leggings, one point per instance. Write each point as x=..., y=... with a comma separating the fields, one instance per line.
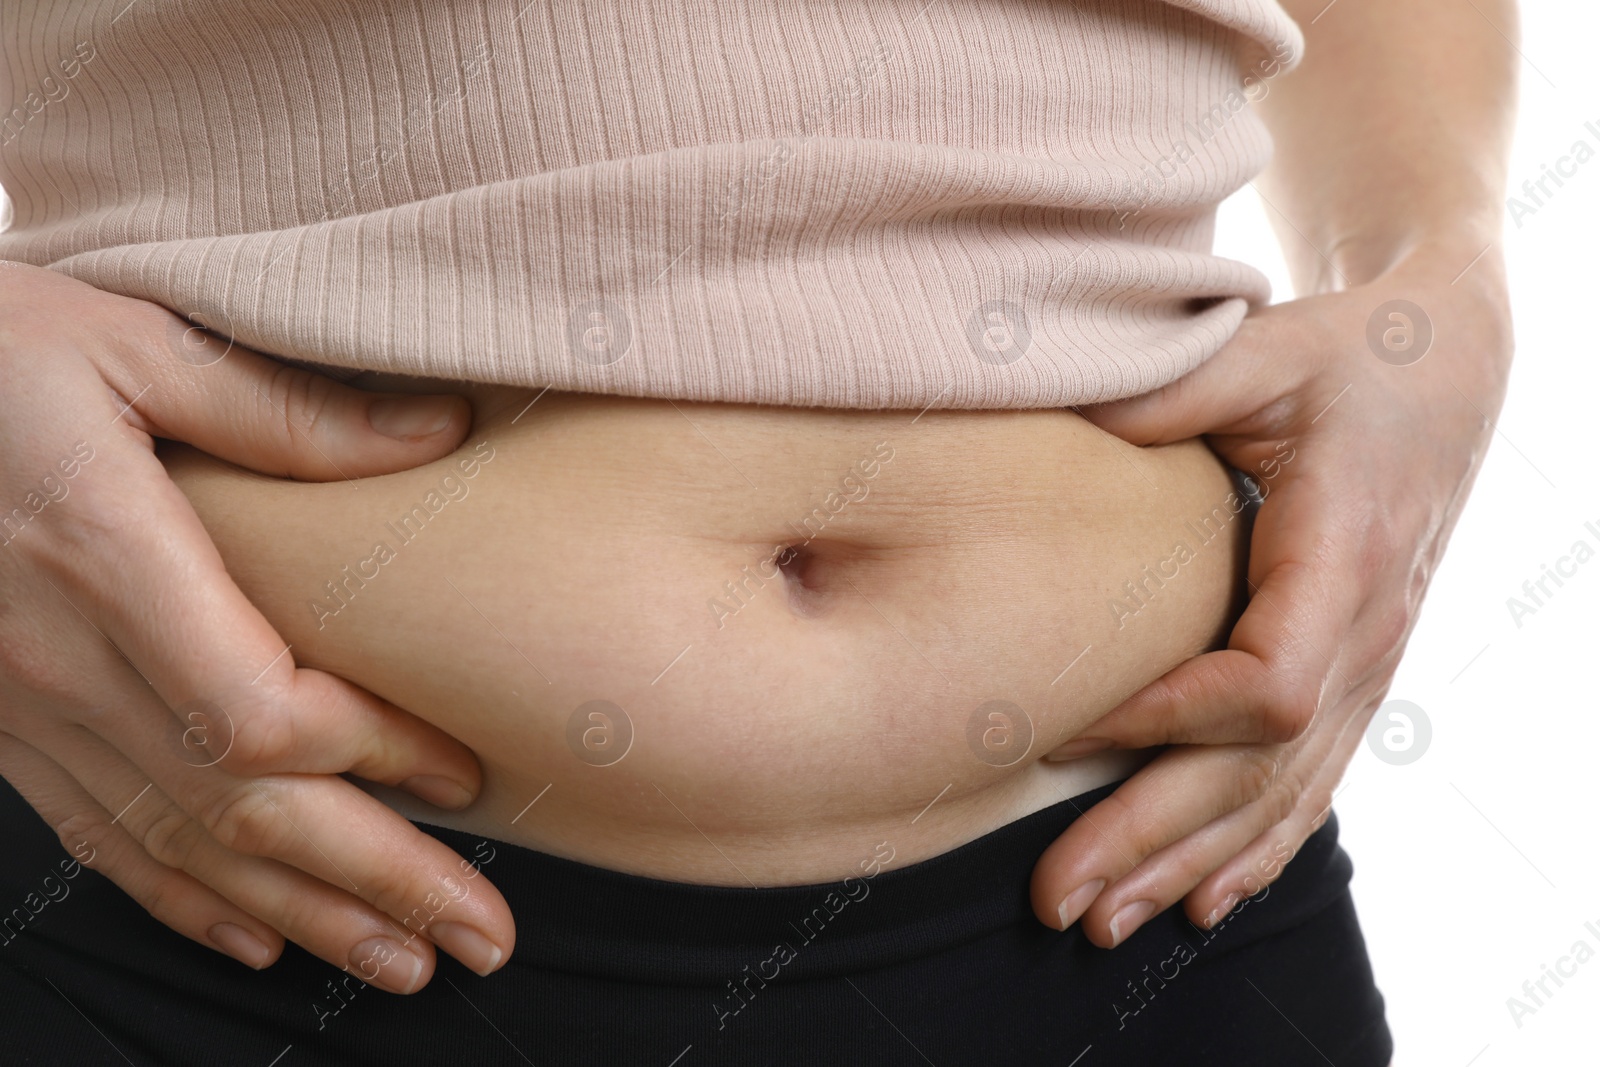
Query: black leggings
x=941, y=962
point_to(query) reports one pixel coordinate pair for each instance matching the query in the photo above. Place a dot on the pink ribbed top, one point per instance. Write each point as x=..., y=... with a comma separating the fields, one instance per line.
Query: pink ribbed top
x=867, y=203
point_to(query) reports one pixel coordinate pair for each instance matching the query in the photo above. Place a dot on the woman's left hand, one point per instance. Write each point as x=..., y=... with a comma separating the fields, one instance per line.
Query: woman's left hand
x=1366, y=422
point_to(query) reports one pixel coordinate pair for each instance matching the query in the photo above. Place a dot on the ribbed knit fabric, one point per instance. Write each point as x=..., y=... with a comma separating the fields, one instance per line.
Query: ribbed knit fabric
x=862, y=203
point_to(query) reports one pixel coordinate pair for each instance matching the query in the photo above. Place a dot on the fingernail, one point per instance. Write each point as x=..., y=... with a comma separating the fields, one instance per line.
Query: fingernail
x=411, y=416
x=1078, y=901
x=1083, y=746
x=467, y=945
x=439, y=791
x=380, y=961
x=241, y=944
x=1127, y=920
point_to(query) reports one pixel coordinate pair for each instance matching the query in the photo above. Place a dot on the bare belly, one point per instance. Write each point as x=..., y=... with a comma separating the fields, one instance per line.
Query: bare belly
x=739, y=645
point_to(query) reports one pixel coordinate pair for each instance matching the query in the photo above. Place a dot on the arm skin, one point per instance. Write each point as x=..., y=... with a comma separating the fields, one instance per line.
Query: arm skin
x=1392, y=140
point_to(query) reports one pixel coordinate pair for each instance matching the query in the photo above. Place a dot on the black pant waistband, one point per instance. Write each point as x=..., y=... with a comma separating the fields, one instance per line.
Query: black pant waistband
x=588, y=920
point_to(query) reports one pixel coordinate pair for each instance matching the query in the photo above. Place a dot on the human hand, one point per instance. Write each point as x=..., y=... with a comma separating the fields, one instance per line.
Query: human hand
x=1365, y=454
x=147, y=711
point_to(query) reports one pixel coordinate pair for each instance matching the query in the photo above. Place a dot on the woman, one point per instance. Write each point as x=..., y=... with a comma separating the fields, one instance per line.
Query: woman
x=772, y=604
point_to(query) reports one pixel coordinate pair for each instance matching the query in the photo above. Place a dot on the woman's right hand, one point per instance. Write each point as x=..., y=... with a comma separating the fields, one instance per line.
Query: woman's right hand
x=147, y=711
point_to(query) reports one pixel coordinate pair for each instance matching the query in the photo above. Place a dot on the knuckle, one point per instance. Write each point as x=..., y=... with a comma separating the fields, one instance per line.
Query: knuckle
x=1258, y=773
x=171, y=838
x=400, y=899
x=248, y=820
x=303, y=401
x=1389, y=633
x=166, y=898
x=302, y=918
x=1289, y=711
x=263, y=738
x=1134, y=826
x=1280, y=799
x=82, y=830
x=1378, y=543
x=1421, y=574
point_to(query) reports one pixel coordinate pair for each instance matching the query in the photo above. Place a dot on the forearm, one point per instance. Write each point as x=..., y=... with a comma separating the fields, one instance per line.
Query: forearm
x=1391, y=136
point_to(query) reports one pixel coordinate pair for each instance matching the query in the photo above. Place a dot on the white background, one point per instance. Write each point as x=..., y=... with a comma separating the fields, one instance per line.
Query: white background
x=1477, y=864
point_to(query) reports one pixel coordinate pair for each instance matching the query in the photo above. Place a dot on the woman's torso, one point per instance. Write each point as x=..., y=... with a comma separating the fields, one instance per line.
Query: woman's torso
x=589, y=594
x=853, y=213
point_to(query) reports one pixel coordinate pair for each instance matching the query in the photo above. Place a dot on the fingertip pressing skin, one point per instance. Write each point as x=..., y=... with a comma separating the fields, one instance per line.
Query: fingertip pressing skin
x=439, y=791
x=415, y=418
x=1079, y=748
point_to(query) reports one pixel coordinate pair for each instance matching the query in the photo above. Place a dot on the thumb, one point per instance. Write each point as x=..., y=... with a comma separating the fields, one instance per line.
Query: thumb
x=1255, y=368
x=246, y=408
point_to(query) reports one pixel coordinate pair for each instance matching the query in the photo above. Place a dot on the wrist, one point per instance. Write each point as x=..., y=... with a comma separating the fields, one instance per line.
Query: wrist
x=1473, y=264
x=1461, y=283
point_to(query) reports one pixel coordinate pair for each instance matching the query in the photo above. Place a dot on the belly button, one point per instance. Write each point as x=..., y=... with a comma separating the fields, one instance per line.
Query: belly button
x=801, y=577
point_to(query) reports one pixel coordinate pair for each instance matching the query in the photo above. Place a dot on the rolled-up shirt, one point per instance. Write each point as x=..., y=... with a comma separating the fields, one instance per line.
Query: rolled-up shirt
x=889, y=204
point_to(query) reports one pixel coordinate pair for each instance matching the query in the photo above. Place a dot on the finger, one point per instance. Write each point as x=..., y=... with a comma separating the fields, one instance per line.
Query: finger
x=327, y=921
x=123, y=542
x=314, y=914
x=1282, y=656
x=93, y=837
x=193, y=385
x=1265, y=799
x=1175, y=795
x=1256, y=369
x=1260, y=860
x=1168, y=874
x=355, y=732
x=322, y=825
